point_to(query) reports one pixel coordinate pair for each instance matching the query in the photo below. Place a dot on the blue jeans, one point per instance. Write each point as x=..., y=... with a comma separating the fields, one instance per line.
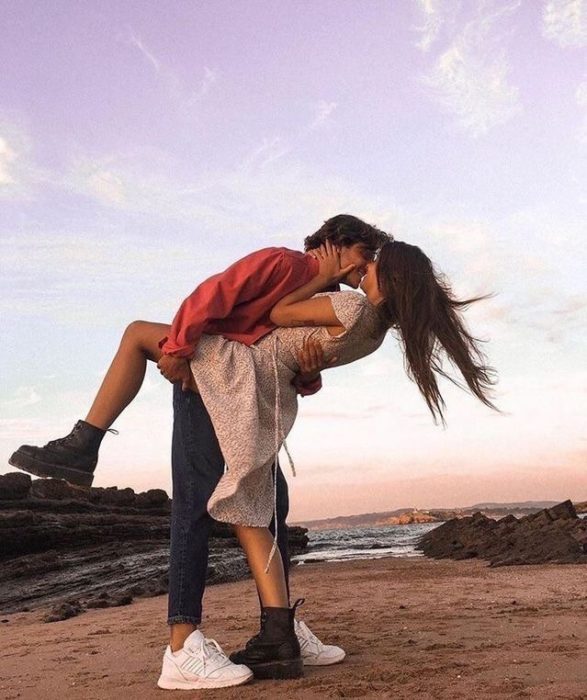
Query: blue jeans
x=197, y=465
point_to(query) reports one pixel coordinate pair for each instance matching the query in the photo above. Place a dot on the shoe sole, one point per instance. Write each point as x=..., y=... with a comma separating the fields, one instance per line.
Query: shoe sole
x=171, y=684
x=278, y=669
x=74, y=477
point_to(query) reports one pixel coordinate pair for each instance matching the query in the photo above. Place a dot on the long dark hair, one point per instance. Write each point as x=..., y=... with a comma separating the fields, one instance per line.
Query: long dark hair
x=420, y=304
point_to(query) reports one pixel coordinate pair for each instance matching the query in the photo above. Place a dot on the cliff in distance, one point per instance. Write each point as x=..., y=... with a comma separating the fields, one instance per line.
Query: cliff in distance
x=405, y=516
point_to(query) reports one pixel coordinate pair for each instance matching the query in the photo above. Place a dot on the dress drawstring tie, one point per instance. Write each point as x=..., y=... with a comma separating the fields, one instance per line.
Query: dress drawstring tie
x=279, y=437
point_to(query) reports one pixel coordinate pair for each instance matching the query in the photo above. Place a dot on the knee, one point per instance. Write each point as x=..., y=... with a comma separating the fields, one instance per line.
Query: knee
x=134, y=332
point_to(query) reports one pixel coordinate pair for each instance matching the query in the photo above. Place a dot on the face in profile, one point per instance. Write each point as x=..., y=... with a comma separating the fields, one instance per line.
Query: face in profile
x=359, y=255
x=370, y=284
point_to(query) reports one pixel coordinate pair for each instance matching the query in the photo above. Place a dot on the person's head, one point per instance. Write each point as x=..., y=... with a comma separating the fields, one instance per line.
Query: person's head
x=358, y=243
x=418, y=301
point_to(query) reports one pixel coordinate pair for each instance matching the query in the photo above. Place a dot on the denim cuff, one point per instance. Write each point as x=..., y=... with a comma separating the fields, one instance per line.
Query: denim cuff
x=183, y=620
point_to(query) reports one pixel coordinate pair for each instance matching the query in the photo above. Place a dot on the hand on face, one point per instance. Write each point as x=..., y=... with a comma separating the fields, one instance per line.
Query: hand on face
x=331, y=268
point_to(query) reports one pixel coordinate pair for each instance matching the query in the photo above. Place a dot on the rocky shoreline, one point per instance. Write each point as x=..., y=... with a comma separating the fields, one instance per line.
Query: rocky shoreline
x=71, y=550
x=552, y=535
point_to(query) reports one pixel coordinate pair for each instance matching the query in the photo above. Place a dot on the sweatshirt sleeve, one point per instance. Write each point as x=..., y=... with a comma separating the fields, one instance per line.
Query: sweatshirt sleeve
x=218, y=295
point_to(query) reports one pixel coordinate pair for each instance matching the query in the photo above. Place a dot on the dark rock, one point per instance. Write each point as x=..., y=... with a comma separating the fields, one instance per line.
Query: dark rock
x=97, y=603
x=17, y=519
x=103, y=547
x=507, y=519
x=151, y=498
x=112, y=496
x=14, y=486
x=555, y=535
x=64, y=611
x=121, y=599
x=105, y=600
x=297, y=539
x=566, y=509
x=56, y=489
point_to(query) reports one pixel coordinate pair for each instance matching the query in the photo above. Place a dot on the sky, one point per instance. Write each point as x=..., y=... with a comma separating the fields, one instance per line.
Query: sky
x=147, y=145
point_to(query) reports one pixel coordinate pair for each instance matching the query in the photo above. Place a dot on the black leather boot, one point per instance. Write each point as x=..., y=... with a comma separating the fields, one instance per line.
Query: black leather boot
x=275, y=651
x=73, y=457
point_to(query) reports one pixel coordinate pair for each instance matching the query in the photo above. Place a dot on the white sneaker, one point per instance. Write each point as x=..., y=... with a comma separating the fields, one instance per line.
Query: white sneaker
x=200, y=664
x=314, y=653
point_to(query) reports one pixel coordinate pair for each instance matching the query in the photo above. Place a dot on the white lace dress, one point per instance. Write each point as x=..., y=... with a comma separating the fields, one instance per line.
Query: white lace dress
x=246, y=388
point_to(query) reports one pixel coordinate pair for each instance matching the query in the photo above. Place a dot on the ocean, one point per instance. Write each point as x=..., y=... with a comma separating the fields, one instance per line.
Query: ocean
x=364, y=543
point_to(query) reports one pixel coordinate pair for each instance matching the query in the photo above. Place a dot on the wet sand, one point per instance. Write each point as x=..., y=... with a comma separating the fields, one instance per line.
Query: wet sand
x=412, y=628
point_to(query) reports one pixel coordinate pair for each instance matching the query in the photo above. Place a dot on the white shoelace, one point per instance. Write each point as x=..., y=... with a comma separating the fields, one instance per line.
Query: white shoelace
x=279, y=436
x=213, y=651
x=306, y=634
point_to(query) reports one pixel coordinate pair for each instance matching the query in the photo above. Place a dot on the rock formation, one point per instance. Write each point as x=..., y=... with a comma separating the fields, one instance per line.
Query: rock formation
x=75, y=549
x=554, y=535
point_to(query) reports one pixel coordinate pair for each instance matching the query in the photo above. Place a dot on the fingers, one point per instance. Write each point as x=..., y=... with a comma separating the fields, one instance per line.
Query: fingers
x=311, y=357
x=177, y=374
x=315, y=352
x=326, y=250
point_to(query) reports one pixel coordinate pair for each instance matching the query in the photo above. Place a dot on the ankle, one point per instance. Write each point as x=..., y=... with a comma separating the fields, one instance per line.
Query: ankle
x=96, y=425
x=178, y=634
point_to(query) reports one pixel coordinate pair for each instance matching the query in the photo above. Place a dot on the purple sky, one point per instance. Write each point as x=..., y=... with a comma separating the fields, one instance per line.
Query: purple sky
x=144, y=146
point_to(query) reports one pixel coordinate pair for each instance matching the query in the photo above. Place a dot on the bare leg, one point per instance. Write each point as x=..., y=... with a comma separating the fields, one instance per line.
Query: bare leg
x=257, y=543
x=124, y=378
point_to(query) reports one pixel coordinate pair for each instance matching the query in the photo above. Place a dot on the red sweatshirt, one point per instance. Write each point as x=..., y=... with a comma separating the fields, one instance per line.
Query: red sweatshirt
x=236, y=303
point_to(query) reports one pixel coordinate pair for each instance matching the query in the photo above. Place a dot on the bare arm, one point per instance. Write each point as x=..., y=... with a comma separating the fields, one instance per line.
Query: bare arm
x=299, y=309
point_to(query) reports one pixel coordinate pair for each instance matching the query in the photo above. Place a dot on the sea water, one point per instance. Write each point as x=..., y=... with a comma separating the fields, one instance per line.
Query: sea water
x=364, y=543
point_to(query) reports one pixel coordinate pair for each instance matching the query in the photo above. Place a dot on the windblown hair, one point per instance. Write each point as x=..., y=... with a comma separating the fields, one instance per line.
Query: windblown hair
x=346, y=230
x=420, y=304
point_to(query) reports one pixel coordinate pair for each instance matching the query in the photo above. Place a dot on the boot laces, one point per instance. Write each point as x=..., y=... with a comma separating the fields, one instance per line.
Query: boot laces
x=69, y=438
x=65, y=440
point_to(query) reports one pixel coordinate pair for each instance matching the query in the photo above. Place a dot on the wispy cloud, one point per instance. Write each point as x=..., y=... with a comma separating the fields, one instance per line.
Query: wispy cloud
x=434, y=14
x=323, y=111
x=273, y=148
x=7, y=159
x=23, y=397
x=565, y=22
x=470, y=77
x=107, y=186
x=270, y=150
x=176, y=88
x=18, y=173
x=581, y=97
x=149, y=57
x=208, y=80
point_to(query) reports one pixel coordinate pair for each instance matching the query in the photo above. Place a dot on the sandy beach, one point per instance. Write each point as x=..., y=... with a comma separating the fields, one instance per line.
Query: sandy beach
x=412, y=628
